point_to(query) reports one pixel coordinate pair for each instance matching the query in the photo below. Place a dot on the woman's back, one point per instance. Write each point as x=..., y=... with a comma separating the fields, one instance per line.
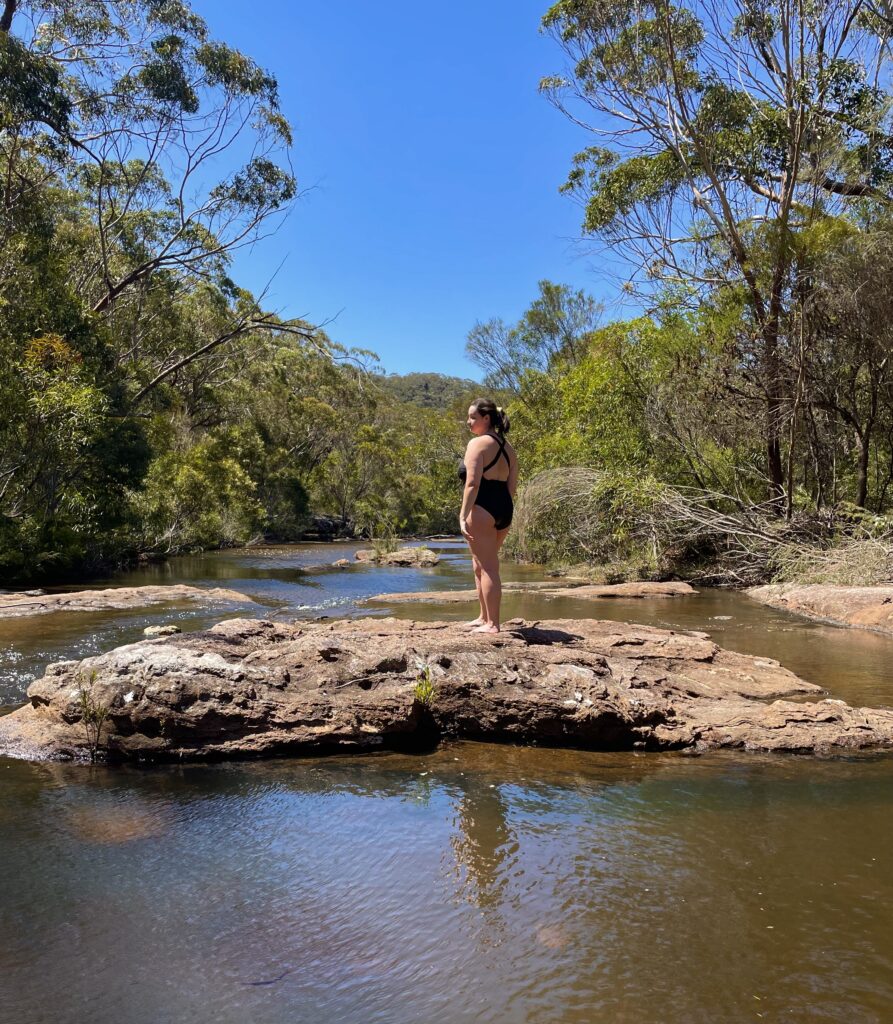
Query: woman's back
x=497, y=455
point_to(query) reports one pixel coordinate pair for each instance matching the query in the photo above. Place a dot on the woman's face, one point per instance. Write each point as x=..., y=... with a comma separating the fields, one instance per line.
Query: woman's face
x=476, y=423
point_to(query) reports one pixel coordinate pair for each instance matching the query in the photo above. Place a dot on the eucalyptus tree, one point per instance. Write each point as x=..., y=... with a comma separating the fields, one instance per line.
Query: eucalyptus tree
x=849, y=371
x=554, y=329
x=722, y=135
x=174, y=141
x=137, y=154
x=149, y=106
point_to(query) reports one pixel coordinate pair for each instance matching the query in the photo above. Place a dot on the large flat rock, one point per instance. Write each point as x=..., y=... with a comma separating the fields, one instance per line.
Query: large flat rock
x=588, y=592
x=14, y=606
x=248, y=687
x=864, y=607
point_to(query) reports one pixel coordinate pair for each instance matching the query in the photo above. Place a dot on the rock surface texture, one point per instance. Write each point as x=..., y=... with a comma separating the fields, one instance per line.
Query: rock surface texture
x=589, y=592
x=249, y=687
x=152, y=631
x=864, y=607
x=17, y=605
x=403, y=556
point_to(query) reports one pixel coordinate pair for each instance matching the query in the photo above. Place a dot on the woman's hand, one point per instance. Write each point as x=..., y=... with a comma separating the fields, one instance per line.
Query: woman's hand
x=463, y=528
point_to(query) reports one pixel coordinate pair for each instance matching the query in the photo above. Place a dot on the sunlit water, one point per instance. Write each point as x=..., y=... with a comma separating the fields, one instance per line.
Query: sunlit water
x=477, y=883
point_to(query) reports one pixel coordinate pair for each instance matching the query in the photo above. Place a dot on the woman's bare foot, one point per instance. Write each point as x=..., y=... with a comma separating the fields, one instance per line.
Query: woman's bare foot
x=486, y=627
x=477, y=622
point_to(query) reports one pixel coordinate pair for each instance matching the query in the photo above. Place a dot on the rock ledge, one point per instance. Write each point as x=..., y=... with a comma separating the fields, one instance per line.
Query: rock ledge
x=249, y=688
x=584, y=592
x=863, y=607
x=402, y=556
x=13, y=606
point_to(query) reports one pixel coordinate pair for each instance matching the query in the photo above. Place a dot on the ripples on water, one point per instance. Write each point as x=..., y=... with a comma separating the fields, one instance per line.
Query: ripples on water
x=478, y=883
x=475, y=884
x=284, y=581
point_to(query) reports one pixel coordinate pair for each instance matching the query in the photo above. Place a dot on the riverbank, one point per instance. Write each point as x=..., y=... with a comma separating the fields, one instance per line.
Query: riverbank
x=860, y=607
x=299, y=582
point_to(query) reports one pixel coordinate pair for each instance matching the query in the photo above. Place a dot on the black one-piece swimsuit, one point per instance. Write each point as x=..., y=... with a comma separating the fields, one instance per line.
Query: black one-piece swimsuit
x=493, y=495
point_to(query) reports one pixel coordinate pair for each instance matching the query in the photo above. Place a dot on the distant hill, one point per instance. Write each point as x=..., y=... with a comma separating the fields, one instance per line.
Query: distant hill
x=432, y=390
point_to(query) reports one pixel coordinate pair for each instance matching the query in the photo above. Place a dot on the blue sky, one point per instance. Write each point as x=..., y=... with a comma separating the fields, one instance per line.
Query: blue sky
x=432, y=164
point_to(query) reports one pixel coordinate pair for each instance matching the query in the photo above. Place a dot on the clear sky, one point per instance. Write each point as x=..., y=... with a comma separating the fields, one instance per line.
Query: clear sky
x=432, y=164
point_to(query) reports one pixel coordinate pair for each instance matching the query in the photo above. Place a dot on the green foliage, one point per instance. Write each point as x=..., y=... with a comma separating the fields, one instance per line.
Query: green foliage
x=614, y=187
x=199, y=497
x=93, y=714
x=428, y=390
x=732, y=141
x=425, y=692
x=551, y=333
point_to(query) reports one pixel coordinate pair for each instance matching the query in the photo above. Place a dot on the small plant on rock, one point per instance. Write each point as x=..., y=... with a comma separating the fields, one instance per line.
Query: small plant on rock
x=425, y=688
x=93, y=715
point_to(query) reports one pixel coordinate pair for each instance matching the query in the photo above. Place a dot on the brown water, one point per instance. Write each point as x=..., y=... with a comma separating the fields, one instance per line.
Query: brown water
x=477, y=883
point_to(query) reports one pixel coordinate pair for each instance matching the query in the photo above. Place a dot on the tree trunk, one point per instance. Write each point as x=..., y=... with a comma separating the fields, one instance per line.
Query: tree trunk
x=9, y=9
x=774, y=415
x=863, y=439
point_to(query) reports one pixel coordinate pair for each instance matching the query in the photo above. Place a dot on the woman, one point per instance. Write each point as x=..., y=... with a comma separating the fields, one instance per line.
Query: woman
x=490, y=474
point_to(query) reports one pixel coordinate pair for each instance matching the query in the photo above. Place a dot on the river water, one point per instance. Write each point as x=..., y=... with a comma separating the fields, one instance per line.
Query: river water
x=476, y=883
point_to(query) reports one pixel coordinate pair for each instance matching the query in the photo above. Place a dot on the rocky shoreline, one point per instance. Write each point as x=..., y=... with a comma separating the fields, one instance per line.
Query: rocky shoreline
x=860, y=607
x=581, y=592
x=252, y=688
x=18, y=605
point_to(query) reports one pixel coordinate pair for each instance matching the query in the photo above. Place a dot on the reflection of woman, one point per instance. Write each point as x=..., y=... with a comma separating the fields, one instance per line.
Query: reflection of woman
x=483, y=843
x=490, y=474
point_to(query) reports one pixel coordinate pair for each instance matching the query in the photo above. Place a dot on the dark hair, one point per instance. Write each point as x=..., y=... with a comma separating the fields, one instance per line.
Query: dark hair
x=499, y=420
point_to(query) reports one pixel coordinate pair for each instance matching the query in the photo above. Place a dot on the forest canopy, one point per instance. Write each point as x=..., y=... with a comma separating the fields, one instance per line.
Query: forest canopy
x=150, y=402
x=736, y=163
x=735, y=166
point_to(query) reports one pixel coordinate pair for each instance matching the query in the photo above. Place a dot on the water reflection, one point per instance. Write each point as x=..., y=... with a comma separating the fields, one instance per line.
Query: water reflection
x=476, y=883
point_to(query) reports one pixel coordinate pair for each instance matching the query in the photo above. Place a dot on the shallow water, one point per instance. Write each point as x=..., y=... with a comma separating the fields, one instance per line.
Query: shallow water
x=299, y=581
x=477, y=883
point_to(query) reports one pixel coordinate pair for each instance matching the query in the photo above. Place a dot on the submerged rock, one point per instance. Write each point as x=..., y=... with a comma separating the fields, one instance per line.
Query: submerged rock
x=18, y=605
x=863, y=607
x=588, y=592
x=402, y=556
x=248, y=687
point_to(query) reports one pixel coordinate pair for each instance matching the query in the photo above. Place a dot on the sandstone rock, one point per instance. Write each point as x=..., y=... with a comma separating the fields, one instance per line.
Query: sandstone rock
x=671, y=588
x=403, y=556
x=18, y=605
x=342, y=563
x=249, y=687
x=864, y=607
x=590, y=592
x=161, y=630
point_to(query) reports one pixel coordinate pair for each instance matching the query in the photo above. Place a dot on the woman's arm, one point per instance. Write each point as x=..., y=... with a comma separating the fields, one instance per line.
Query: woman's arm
x=474, y=466
x=513, y=475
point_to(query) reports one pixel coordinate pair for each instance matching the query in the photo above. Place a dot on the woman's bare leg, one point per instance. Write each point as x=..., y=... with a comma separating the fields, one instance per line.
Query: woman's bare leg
x=482, y=616
x=485, y=548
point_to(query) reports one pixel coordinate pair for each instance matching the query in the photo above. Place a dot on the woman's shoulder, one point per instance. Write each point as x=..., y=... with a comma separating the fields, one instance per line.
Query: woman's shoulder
x=480, y=443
